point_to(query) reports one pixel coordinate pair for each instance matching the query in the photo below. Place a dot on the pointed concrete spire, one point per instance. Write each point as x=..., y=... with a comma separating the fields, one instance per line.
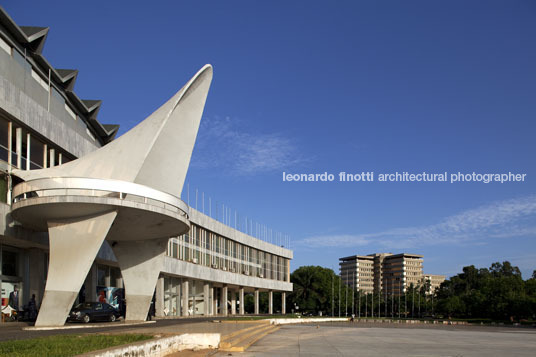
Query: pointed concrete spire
x=155, y=153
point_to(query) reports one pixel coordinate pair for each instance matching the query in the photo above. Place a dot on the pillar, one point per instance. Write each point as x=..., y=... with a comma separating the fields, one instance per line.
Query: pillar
x=69, y=264
x=283, y=303
x=233, y=302
x=45, y=156
x=28, y=151
x=159, y=298
x=36, y=274
x=10, y=143
x=223, y=301
x=52, y=157
x=214, y=302
x=270, y=302
x=141, y=263
x=185, y=297
x=91, y=284
x=256, y=301
x=206, y=299
x=241, y=299
x=18, y=146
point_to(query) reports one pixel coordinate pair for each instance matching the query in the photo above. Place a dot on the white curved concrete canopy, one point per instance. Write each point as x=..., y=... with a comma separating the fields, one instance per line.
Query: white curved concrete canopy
x=155, y=155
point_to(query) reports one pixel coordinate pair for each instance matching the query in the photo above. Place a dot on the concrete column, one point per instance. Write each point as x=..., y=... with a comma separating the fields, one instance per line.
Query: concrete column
x=10, y=142
x=233, y=302
x=214, y=302
x=36, y=274
x=45, y=156
x=256, y=301
x=107, y=278
x=211, y=300
x=159, y=298
x=283, y=303
x=119, y=282
x=69, y=264
x=270, y=302
x=140, y=262
x=185, y=291
x=28, y=151
x=223, y=301
x=18, y=146
x=91, y=284
x=60, y=158
x=52, y=157
x=241, y=299
x=206, y=299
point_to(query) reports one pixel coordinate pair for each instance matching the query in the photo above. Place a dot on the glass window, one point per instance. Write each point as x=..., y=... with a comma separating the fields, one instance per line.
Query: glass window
x=4, y=132
x=9, y=263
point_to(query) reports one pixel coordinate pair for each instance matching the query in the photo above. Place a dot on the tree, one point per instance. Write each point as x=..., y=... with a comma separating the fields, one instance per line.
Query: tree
x=313, y=291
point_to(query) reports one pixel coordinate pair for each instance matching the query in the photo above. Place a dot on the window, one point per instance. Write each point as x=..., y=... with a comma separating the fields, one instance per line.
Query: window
x=40, y=80
x=70, y=112
x=9, y=263
x=5, y=46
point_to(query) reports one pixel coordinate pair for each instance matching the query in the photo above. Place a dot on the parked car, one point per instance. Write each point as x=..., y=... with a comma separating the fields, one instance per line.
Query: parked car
x=93, y=311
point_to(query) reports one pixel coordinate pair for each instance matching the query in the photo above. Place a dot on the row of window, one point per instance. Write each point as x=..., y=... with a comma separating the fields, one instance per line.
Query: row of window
x=203, y=247
x=27, y=151
x=46, y=84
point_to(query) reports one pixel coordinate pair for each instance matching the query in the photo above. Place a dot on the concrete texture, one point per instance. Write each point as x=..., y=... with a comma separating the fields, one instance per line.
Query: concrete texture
x=348, y=341
x=73, y=247
x=140, y=263
x=152, y=157
x=161, y=346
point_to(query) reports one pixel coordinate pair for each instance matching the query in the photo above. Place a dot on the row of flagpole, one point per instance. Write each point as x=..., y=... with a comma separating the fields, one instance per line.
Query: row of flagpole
x=228, y=216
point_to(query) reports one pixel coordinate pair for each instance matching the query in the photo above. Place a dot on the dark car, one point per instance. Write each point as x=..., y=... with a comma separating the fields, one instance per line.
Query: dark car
x=93, y=311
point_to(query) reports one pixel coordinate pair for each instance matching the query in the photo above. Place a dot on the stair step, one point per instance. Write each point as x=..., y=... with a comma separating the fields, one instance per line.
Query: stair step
x=243, y=341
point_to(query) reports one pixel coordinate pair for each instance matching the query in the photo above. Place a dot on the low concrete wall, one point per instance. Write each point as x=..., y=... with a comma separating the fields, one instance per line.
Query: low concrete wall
x=162, y=346
x=307, y=320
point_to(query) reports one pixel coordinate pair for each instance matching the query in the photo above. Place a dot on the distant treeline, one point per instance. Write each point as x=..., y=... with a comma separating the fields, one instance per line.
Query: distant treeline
x=497, y=293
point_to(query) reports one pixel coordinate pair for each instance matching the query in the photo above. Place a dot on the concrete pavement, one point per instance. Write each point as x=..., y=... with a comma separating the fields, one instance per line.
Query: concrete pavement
x=326, y=340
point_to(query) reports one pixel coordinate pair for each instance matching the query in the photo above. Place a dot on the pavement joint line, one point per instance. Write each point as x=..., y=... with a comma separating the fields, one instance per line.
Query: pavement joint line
x=72, y=327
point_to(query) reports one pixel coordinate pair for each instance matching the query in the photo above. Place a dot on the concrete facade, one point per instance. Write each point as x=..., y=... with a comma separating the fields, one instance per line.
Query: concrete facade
x=66, y=184
x=387, y=273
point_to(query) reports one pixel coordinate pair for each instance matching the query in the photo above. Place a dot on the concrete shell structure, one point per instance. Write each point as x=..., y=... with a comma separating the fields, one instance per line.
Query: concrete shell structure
x=118, y=206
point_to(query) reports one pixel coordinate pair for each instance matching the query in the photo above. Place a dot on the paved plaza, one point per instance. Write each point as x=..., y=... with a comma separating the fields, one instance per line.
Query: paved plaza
x=330, y=340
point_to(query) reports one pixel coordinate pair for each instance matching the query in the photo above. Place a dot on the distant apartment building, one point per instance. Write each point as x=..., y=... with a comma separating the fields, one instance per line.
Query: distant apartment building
x=382, y=272
x=357, y=271
x=433, y=282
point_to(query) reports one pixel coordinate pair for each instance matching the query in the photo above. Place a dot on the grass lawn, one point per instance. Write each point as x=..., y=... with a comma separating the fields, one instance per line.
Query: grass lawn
x=66, y=345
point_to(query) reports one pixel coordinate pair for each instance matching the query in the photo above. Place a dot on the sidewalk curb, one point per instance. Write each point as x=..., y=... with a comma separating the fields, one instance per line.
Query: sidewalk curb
x=161, y=346
x=307, y=320
x=73, y=327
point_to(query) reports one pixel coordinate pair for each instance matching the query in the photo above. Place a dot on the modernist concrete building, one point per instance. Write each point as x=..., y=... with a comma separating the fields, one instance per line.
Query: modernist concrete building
x=87, y=217
x=433, y=282
x=387, y=273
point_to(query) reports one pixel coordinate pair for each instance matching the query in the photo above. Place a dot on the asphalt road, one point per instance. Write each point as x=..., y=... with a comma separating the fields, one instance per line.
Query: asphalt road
x=14, y=331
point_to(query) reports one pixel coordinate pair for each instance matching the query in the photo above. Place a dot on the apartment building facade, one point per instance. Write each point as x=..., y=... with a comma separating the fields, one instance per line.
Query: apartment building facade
x=387, y=273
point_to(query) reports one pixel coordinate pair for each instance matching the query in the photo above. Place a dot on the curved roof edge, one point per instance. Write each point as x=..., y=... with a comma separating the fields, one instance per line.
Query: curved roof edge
x=32, y=39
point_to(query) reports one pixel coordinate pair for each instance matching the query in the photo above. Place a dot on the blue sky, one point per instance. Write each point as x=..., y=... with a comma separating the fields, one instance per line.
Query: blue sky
x=324, y=86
